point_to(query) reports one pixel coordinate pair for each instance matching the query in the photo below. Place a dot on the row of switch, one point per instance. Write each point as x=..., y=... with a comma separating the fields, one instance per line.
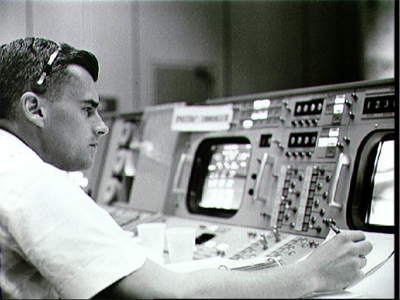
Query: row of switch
x=296, y=154
x=306, y=122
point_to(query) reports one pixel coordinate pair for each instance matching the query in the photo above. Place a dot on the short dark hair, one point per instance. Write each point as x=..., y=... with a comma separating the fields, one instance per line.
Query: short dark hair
x=22, y=62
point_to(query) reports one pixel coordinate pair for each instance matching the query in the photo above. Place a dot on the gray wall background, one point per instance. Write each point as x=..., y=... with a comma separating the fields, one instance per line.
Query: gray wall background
x=154, y=52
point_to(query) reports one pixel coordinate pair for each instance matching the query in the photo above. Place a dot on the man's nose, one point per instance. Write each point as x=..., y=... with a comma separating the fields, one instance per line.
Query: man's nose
x=101, y=128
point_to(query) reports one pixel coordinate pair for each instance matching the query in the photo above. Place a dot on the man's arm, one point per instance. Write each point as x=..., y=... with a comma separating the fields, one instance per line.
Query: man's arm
x=333, y=266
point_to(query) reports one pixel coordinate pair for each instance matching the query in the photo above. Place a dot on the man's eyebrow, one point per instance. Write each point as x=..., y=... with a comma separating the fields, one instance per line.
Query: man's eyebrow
x=91, y=102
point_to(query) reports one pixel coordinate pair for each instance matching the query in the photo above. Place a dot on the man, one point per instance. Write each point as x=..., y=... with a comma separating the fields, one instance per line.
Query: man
x=56, y=242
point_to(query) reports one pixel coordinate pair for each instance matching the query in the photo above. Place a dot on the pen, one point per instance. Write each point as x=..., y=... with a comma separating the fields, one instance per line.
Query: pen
x=334, y=228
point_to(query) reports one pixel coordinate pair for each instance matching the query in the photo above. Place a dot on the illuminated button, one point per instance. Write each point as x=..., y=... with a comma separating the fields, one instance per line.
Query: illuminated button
x=261, y=104
x=319, y=107
x=260, y=115
x=312, y=107
x=210, y=244
x=305, y=108
x=247, y=124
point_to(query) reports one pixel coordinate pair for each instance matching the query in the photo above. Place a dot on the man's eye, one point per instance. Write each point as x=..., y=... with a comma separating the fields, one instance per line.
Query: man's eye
x=89, y=110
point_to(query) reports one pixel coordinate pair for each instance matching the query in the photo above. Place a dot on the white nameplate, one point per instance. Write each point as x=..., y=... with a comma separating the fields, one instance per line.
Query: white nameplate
x=202, y=118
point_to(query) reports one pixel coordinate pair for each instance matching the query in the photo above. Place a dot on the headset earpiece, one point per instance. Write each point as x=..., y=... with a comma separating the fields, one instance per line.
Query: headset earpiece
x=39, y=85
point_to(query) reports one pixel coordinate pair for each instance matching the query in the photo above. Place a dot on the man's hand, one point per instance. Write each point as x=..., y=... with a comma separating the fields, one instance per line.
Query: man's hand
x=338, y=263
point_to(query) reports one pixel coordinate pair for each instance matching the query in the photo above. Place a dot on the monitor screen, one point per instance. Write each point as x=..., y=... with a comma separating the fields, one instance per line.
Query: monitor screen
x=381, y=211
x=218, y=177
x=371, y=205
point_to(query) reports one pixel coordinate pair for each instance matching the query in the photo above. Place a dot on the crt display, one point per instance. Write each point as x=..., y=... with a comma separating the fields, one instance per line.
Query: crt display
x=371, y=199
x=226, y=177
x=218, y=177
x=381, y=211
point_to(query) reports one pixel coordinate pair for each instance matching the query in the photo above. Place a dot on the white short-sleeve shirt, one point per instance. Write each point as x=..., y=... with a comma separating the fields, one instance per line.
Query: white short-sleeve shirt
x=55, y=241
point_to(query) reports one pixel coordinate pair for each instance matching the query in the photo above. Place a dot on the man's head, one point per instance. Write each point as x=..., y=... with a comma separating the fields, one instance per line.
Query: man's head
x=48, y=99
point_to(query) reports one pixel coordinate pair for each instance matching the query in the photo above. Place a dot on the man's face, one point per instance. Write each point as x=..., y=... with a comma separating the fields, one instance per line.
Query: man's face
x=72, y=125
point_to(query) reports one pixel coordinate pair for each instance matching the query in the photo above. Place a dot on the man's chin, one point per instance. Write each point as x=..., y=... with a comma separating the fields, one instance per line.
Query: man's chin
x=82, y=166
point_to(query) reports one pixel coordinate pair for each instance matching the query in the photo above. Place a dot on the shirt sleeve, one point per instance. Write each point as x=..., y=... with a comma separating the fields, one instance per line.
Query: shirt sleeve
x=74, y=243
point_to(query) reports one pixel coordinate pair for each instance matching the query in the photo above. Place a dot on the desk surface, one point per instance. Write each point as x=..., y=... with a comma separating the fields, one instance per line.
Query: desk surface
x=378, y=285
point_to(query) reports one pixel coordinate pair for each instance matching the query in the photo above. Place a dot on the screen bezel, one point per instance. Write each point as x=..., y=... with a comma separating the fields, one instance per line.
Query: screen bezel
x=199, y=172
x=361, y=189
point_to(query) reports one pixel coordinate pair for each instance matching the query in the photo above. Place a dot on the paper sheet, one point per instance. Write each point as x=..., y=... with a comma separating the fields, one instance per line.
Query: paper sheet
x=378, y=281
x=220, y=263
x=383, y=248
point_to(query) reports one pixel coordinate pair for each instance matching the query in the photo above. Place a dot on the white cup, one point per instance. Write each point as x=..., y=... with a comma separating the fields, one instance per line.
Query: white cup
x=152, y=236
x=180, y=242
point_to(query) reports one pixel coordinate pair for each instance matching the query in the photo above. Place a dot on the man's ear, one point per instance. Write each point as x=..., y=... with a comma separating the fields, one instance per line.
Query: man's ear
x=32, y=108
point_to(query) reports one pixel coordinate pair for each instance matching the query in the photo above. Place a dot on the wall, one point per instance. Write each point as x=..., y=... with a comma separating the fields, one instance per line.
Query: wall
x=266, y=45
x=250, y=46
x=377, y=23
x=12, y=20
x=129, y=38
x=279, y=45
x=179, y=34
x=101, y=27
